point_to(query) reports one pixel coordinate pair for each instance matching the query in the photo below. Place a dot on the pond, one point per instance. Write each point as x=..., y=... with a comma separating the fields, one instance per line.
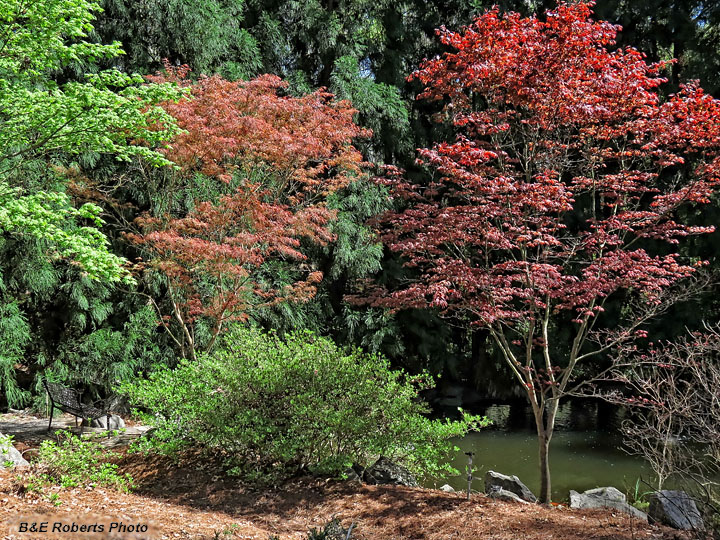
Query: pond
x=586, y=451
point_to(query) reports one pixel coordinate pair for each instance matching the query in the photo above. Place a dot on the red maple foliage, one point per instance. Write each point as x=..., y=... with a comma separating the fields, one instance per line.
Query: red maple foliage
x=565, y=177
x=278, y=157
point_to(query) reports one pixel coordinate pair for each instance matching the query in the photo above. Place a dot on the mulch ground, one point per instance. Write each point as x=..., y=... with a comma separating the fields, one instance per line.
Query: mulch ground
x=194, y=499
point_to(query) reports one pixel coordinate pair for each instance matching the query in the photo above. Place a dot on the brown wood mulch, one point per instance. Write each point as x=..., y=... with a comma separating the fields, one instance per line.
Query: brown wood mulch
x=192, y=499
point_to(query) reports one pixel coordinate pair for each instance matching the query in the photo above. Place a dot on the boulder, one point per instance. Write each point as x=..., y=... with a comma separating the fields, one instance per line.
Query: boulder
x=447, y=488
x=495, y=480
x=384, y=471
x=354, y=473
x=675, y=509
x=118, y=403
x=610, y=494
x=9, y=455
x=605, y=497
x=115, y=422
x=504, y=495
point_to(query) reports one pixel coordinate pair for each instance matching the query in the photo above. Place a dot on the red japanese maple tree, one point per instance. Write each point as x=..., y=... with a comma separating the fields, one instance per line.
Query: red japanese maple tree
x=278, y=157
x=560, y=190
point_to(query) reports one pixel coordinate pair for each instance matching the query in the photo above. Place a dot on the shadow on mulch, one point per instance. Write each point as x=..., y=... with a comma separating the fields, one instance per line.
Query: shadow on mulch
x=381, y=512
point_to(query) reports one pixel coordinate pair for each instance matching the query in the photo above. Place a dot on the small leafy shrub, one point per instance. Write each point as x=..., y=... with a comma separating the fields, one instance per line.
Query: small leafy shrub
x=283, y=405
x=72, y=461
x=6, y=441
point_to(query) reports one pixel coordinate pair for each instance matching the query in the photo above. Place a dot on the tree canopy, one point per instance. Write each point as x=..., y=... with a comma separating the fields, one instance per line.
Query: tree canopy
x=562, y=189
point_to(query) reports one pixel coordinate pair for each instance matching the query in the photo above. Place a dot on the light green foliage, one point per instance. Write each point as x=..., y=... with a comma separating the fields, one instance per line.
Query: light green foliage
x=109, y=112
x=6, y=441
x=50, y=217
x=78, y=462
x=106, y=113
x=302, y=402
x=35, y=35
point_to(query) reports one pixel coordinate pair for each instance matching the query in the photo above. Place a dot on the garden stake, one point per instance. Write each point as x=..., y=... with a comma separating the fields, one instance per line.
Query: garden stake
x=469, y=472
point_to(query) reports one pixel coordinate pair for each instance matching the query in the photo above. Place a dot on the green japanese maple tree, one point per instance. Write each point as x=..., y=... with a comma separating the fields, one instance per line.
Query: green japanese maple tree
x=108, y=112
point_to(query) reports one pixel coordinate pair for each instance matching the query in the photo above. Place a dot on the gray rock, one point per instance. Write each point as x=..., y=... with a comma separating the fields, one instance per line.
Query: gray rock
x=447, y=488
x=504, y=495
x=115, y=422
x=9, y=455
x=119, y=404
x=384, y=471
x=605, y=497
x=333, y=530
x=675, y=509
x=354, y=473
x=495, y=481
x=604, y=493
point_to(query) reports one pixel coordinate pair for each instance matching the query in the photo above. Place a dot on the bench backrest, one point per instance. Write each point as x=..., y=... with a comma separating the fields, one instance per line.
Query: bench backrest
x=68, y=400
x=62, y=395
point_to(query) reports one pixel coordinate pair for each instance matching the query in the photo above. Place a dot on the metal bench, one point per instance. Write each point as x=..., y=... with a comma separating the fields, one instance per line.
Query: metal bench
x=69, y=401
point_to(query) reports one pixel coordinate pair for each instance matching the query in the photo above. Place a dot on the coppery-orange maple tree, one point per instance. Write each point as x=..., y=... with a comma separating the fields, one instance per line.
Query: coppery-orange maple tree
x=279, y=157
x=560, y=191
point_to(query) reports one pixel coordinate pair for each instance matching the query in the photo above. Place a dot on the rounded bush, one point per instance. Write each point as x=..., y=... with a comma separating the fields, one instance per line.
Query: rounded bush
x=295, y=403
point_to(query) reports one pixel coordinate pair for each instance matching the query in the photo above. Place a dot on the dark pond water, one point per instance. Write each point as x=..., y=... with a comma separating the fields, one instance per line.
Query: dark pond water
x=586, y=451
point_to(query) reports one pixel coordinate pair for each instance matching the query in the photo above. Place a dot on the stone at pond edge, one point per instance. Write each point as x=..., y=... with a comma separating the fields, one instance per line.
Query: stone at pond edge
x=495, y=480
x=605, y=497
x=605, y=493
x=384, y=471
x=675, y=509
x=8, y=453
x=504, y=495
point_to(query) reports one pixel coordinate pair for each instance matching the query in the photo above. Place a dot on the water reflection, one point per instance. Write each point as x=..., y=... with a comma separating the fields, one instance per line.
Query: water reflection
x=577, y=415
x=586, y=451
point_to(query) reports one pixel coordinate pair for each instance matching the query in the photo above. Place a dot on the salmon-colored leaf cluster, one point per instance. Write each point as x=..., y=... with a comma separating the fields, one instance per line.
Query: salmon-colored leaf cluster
x=278, y=158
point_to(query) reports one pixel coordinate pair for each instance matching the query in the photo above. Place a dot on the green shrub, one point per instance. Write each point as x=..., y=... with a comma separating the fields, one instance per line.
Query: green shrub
x=73, y=461
x=296, y=403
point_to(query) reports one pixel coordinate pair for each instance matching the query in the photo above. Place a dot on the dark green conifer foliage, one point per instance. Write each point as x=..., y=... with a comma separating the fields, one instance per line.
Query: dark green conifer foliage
x=205, y=34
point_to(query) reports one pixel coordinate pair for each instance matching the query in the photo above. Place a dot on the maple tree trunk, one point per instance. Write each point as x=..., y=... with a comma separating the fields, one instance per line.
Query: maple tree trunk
x=544, y=457
x=545, y=428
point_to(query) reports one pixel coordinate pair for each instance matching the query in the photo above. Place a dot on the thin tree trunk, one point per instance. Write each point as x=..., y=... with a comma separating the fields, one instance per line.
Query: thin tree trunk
x=546, y=428
x=545, y=480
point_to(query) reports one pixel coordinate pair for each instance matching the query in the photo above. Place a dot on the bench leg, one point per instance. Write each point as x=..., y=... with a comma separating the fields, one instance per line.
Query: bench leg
x=52, y=410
